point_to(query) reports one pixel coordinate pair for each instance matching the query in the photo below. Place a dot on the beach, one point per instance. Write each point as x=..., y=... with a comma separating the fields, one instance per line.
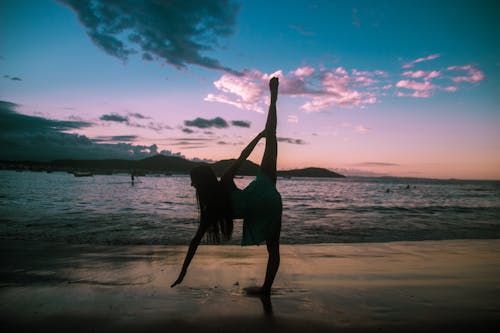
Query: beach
x=425, y=286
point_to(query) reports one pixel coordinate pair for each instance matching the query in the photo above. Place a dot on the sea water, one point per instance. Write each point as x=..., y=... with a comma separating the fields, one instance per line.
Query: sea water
x=109, y=209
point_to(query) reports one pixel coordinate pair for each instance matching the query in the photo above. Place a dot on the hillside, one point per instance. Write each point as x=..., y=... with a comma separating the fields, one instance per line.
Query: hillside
x=310, y=172
x=158, y=164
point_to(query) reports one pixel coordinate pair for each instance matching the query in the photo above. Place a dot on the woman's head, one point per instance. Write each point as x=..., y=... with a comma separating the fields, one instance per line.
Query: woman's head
x=213, y=202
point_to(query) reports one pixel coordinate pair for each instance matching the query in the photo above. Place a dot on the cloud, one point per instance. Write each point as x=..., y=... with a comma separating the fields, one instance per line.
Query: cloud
x=117, y=118
x=114, y=117
x=422, y=74
x=293, y=119
x=174, y=32
x=241, y=123
x=138, y=115
x=191, y=143
x=375, y=164
x=322, y=89
x=115, y=138
x=421, y=83
x=362, y=129
x=245, y=91
x=420, y=89
x=13, y=78
x=217, y=122
x=473, y=75
x=187, y=130
x=11, y=121
x=24, y=137
x=355, y=18
x=302, y=30
x=416, y=61
x=292, y=141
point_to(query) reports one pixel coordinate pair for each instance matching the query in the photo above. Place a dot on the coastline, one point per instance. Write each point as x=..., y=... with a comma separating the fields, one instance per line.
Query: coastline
x=426, y=286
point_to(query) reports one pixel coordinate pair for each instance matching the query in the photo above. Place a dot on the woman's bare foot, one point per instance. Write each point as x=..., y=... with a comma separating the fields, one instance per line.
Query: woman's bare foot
x=256, y=291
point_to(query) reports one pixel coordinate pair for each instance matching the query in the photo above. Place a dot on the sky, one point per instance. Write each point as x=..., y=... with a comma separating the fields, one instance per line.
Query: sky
x=398, y=88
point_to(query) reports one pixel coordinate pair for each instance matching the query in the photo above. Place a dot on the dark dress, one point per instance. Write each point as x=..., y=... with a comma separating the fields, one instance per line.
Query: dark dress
x=259, y=205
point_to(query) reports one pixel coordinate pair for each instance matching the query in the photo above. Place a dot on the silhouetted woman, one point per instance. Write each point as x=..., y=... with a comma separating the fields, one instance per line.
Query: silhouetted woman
x=259, y=204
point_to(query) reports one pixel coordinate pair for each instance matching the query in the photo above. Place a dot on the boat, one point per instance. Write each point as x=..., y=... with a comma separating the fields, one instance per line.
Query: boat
x=83, y=174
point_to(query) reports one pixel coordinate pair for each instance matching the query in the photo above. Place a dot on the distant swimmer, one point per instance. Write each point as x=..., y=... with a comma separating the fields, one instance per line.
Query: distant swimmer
x=259, y=204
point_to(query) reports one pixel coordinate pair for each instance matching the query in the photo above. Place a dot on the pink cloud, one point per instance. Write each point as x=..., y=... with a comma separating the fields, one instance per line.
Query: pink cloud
x=422, y=74
x=304, y=71
x=414, y=85
x=322, y=89
x=473, y=75
x=380, y=73
x=240, y=91
x=420, y=89
x=362, y=129
x=424, y=88
x=416, y=61
x=416, y=94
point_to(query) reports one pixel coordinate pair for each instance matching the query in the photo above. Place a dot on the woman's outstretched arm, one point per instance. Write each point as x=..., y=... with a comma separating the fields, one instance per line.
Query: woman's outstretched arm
x=233, y=169
x=190, y=253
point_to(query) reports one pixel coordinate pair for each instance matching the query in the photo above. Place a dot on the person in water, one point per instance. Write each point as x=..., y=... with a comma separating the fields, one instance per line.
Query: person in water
x=259, y=204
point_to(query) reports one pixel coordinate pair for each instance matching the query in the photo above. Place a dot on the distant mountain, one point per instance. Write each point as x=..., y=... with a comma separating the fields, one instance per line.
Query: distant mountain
x=248, y=168
x=166, y=163
x=310, y=172
x=169, y=164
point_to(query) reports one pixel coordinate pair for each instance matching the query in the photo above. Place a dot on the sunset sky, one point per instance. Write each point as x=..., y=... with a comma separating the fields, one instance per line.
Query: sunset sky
x=398, y=88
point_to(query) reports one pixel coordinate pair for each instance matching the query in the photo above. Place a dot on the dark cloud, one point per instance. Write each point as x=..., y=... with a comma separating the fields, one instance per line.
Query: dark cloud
x=153, y=126
x=190, y=143
x=138, y=115
x=187, y=130
x=170, y=153
x=207, y=123
x=13, y=78
x=241, y=123
x=114, y=117
x=116, y=138
x=292, y=141
x=11, y=121
x=24, y=137
x=176, y=32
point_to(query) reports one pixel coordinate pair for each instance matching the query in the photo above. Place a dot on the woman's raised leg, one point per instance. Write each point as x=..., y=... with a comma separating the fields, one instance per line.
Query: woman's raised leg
x=268, y=164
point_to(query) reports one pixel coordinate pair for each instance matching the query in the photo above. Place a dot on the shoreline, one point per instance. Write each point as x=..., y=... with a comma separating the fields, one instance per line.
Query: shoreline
x=347, y=287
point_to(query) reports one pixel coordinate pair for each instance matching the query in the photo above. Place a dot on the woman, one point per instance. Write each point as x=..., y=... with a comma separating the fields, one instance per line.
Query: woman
x=259, y=204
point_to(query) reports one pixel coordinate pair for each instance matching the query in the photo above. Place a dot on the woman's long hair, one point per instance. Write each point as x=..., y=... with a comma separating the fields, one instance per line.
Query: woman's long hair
x=214, y=204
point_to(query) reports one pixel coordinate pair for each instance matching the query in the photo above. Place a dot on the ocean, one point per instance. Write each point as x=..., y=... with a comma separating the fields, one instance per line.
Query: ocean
x=108, y=209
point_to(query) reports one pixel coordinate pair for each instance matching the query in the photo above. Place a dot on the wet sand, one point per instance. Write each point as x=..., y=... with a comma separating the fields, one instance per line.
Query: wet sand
x=431, y=286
